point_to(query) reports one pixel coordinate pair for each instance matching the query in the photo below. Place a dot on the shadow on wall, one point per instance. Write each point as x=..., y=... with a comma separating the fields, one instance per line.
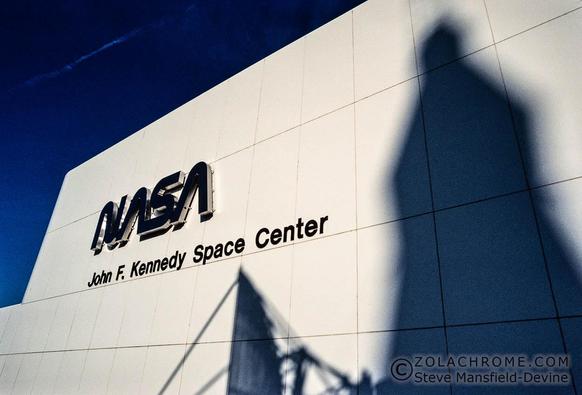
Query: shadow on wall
x=473, y=273
x=266, y=364
x=258, y=363
x=481, y=256
x=261, y=362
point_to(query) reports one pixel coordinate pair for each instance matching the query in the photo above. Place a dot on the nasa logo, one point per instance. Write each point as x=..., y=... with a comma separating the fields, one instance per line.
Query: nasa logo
x=157, y=210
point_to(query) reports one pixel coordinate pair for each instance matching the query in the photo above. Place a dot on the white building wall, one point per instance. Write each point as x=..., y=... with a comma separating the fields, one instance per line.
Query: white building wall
x=431, y=228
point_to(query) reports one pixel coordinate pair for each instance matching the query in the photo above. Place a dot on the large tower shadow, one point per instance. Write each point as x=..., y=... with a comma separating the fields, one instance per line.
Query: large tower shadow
x=479, y=271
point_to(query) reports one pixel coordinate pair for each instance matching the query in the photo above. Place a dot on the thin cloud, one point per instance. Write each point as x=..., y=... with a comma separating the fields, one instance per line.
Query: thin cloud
x=72, y=65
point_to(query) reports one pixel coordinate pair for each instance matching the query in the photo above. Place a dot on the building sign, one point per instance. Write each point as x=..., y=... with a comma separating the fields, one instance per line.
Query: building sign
x=156, y=210
x=153, y=212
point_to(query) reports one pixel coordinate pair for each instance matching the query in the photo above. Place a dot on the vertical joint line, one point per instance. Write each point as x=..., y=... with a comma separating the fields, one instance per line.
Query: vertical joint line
x=530, y=196
x=421, y=107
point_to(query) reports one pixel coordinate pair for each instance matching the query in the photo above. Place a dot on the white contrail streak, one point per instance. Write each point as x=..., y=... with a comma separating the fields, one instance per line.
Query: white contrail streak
x=70, y=66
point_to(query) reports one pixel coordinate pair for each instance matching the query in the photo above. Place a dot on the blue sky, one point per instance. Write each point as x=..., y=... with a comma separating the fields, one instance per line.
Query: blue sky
x=78, y=76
